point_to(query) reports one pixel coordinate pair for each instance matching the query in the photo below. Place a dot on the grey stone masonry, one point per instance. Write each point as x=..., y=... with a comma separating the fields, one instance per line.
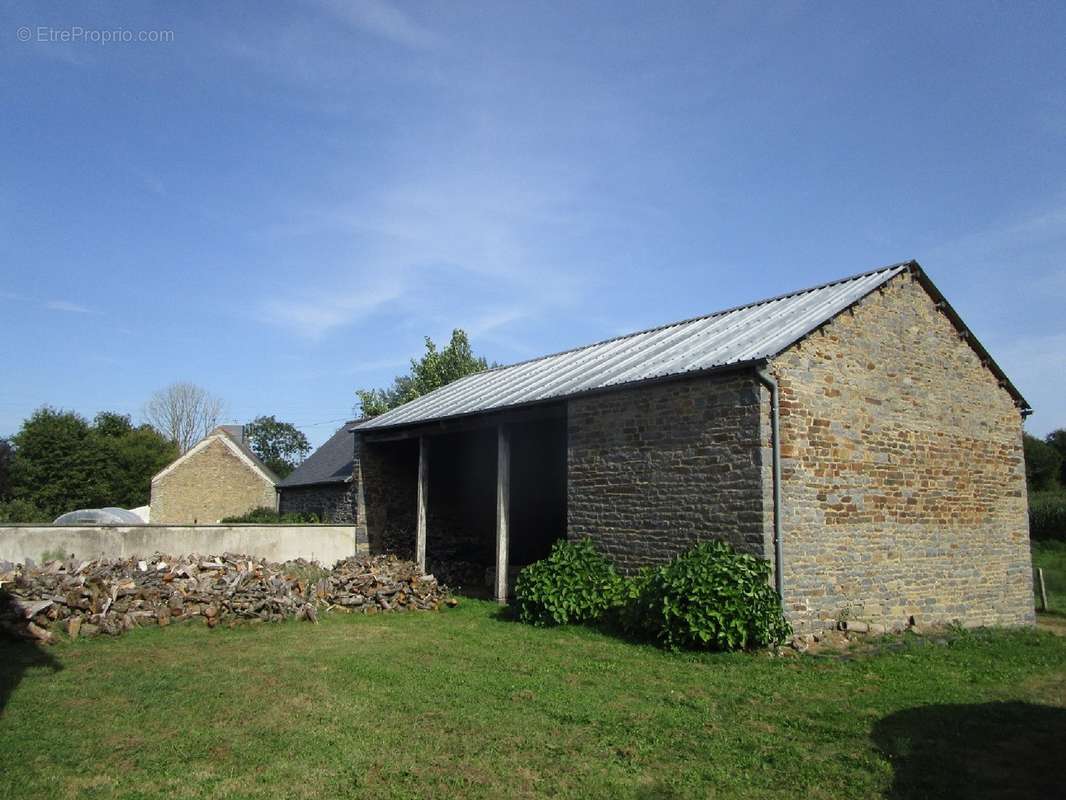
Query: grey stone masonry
x=333, y=502
x=655, y=469
x=903, y=474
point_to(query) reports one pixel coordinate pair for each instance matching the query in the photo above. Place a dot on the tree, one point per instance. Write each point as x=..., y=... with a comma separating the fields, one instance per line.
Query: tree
x=1057, y=439
x=1043, y=464
x=132, y=459
x=433, y=370
x=184, y=413
x=62, y=463
x=279, y=445
x=56, y=468
x=7, y=455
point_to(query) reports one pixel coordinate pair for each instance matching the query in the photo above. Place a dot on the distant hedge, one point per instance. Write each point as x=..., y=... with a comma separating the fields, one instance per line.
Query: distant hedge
x=268, y=516
x=1047, y=515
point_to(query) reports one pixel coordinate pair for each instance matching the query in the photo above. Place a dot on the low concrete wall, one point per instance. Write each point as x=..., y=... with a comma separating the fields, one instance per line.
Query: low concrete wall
x=323, y=543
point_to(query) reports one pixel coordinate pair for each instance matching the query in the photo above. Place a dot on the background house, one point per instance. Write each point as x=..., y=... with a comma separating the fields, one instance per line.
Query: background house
x=855, y=434
x=322, y=484
x=219, y=477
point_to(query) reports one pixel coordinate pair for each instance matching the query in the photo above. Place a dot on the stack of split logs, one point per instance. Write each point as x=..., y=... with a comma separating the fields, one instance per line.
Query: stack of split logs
x=86, y=598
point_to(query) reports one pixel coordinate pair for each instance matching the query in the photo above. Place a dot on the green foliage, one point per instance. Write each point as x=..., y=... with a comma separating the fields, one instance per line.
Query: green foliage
x=62, y=462
x=268, y=516
x=279, y=445
x=21, y=512
x=433, y=370
x=1057, y=439
x=573, y=584
x=1043, y=463
x=1047, y=515
x=709, y=598
x=7, y=455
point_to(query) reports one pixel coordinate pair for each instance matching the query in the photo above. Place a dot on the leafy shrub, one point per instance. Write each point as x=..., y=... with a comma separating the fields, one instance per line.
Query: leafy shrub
x=268, y=516
x=1047, y=515
x=573, y=584
x=708, y=598
x=21, y=511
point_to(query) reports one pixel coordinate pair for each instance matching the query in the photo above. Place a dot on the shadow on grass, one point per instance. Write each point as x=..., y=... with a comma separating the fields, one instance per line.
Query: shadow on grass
x=610, y=627
x=18, y=655
x=998, y=750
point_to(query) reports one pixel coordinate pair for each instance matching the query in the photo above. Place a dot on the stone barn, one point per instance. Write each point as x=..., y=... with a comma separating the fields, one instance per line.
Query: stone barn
x=856, y=435
x=218, y=477
x=322, y=484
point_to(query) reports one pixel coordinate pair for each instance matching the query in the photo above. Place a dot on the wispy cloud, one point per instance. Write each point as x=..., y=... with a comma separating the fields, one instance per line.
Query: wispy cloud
x=1040, y=228
x=313, y=314
x=463, y=246
x=73, y=308
x=381, y=19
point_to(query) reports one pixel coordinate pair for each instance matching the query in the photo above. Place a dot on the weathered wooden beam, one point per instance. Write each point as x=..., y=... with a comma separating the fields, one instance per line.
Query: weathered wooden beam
x=503, y=509
x=423, y=494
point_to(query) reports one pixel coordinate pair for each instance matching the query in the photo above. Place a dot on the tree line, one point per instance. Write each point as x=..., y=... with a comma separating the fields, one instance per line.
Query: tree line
x=60, y=461
x=1045, y=462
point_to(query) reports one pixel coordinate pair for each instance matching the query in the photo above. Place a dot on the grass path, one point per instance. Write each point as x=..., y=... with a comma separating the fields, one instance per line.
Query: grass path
x=463, y=704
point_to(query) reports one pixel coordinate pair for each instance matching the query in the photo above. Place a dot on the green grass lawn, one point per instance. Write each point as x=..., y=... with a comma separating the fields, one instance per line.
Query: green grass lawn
x=464, y=704
x=1051, y=556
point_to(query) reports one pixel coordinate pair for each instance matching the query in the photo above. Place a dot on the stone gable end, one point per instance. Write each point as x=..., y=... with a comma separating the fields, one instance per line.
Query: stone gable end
x=903, y=477
x=209, y=485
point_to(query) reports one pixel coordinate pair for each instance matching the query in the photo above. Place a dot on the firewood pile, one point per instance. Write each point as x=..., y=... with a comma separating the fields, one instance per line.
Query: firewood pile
x=111, y=596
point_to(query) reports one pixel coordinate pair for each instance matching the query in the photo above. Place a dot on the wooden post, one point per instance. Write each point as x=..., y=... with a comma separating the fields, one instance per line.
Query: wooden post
x=1043, y=591
x=503, y=509
x=423, y=491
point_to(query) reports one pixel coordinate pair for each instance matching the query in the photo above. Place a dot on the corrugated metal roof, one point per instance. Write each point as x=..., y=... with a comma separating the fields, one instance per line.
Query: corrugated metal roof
x=727, y=338
x=724, y=338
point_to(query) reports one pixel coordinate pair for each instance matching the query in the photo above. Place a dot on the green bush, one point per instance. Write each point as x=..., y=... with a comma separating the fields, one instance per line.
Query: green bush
x=573, y=584
x=268, y=516
x=21, y=511
x=1047, y=515
x=708, y=598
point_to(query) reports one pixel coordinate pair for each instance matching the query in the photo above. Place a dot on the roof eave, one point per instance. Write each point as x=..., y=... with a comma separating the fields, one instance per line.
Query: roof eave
x=721, y=368
x=968, y=336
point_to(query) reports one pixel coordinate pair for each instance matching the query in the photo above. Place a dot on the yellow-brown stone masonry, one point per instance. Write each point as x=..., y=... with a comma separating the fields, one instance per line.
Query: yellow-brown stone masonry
x=902, y=472
x=209, y=485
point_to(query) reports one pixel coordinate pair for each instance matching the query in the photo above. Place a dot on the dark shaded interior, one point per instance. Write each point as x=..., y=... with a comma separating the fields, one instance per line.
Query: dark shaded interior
x=538, y=488
x=461, y=524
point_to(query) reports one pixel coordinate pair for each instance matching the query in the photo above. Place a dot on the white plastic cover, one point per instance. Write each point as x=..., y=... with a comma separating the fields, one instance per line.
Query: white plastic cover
x=99, y=516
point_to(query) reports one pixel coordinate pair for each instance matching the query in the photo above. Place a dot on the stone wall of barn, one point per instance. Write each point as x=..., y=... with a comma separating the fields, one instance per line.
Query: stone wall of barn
x=903, y=474
x=332, y=502
x=209, y=485
x=655, y=469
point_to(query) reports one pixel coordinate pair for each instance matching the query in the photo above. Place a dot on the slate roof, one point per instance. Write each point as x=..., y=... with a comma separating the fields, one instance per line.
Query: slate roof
x=331, y=463
x=737, y=336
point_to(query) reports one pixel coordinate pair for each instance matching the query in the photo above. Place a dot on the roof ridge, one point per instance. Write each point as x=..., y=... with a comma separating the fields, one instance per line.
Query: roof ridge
x=907, y=263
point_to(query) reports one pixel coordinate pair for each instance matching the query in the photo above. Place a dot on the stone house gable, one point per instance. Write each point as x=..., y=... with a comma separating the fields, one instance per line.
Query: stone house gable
x=217, y=478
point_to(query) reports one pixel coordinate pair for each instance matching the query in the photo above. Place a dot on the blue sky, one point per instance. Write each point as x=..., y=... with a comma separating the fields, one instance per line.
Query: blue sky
x=279, y=203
